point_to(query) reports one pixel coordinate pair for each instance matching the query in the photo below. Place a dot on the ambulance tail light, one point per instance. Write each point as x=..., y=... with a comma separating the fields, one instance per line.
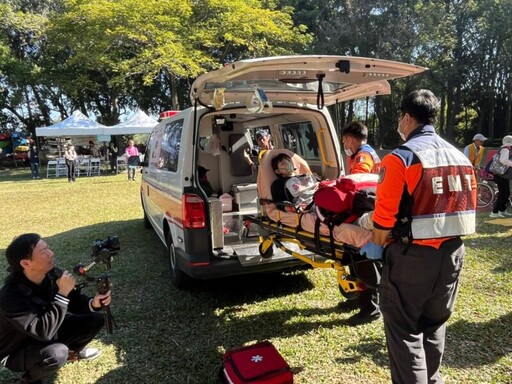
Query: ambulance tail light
x=193, y=212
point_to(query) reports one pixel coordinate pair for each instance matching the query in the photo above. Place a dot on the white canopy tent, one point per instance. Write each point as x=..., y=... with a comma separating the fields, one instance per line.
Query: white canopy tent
x=75, y=125
x=139, y=122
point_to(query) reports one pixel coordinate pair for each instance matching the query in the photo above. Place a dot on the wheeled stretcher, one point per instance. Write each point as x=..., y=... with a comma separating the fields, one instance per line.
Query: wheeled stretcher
x=319, y=246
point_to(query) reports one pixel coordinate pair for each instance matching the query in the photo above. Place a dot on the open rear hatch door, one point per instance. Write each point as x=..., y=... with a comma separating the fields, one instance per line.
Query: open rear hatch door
x=297, y=79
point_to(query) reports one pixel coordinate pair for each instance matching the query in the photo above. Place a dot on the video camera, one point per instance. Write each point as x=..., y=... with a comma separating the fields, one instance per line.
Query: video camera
x=102, y=252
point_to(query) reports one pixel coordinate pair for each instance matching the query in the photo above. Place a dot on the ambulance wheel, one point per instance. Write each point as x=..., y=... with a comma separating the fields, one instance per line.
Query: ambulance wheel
x=268, y=253
x=178, y=277
x=349, y=295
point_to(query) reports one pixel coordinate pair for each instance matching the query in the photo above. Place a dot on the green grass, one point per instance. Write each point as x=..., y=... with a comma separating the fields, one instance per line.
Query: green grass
x=170, y=336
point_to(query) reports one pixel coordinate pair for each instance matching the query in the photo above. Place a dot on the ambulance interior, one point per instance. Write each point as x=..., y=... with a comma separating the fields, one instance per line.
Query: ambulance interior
x=223, y=139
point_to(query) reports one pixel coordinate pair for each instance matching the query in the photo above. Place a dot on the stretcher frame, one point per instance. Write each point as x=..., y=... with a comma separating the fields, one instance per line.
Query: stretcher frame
x=325, y=253
x=280, y=226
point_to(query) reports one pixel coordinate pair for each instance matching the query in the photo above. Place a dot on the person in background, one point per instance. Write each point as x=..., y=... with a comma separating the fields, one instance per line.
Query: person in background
x=44, y=321
x=203, y=181
x=93, y=150
x=503, y=181
x=263, y=139
x=113, y=152
x=420, y=217
x=70, y=156
x=361, y=158
x=132, y=159
x=475, y=152
x=34, y=161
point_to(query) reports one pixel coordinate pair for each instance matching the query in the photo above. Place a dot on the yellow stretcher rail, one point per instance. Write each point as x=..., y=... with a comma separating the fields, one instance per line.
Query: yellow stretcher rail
x=344, y=262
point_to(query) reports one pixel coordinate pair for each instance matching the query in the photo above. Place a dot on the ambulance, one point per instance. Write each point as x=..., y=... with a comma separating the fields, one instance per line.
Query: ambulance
x=204, y=233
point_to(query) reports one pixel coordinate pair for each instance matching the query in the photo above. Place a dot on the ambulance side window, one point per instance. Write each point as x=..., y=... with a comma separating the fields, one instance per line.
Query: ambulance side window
x=301, y=139
x=171, y=145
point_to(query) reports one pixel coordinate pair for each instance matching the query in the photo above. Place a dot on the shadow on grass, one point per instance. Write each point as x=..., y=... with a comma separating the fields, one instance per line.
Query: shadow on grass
x=496, y=238
x=165, y=334
x=478, y=344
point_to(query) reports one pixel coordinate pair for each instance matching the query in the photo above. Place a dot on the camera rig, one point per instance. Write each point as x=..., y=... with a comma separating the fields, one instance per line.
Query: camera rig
x=102, y=253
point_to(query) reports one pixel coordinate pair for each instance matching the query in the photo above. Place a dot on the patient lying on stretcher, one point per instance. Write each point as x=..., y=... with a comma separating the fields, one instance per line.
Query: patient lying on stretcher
x=291, y=187
x=351, y=234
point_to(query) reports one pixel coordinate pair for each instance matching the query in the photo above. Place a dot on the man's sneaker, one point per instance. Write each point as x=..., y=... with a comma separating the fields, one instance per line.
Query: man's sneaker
x=506, y=214
x=84, y=354
x=497, y=215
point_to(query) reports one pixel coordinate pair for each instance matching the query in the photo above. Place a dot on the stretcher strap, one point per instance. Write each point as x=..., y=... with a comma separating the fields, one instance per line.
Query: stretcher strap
x=331, y=226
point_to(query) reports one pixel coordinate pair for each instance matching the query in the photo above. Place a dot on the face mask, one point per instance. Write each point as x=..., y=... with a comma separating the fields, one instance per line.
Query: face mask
x=289, y=168
x=348, y=151
x=402, y=136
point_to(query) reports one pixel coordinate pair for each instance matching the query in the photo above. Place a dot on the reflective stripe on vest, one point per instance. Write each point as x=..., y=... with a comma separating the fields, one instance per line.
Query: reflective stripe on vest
x=376, y=159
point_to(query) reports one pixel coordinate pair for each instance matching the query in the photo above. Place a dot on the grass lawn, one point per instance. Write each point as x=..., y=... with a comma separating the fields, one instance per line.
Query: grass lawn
x=165, y=335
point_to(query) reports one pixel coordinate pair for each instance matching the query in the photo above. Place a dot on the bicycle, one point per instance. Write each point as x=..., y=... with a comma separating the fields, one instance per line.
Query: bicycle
x=487, y=193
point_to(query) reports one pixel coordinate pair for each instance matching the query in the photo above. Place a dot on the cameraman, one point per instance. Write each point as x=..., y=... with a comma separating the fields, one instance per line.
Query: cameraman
x=44, y=321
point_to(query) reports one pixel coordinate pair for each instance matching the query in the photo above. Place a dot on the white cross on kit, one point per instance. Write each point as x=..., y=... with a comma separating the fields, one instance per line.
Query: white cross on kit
x=257, y=358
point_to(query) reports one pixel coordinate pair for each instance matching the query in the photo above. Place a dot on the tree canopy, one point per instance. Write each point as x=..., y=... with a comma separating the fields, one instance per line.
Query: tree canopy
x=108, y=56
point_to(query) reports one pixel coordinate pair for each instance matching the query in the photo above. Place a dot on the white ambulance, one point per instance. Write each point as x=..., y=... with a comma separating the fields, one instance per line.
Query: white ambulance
x=285, y=96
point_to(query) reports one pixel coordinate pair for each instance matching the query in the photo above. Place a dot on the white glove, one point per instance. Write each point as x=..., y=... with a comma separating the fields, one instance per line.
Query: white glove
x=366, y=221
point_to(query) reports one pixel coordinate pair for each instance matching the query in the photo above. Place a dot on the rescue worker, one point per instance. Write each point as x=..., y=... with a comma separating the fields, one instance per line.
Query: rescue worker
x=426, y=200
x=263, y=138
x=361, y=158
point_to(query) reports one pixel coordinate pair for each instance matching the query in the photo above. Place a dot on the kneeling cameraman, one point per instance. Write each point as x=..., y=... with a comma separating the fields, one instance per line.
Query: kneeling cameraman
x=44, y=321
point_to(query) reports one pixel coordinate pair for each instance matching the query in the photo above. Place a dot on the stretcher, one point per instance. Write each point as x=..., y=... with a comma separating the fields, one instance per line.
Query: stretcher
x=319, y=246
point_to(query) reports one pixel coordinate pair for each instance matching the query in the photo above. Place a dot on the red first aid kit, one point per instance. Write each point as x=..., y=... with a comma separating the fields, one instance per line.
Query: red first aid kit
x=259, y=363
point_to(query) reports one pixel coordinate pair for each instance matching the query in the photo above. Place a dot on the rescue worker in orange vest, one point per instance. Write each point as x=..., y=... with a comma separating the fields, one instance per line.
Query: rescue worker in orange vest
x=475, y=151
x=426, y=200
x=361, y=158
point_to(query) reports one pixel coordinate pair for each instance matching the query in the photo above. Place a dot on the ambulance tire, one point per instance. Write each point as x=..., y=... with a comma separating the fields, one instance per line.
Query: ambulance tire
x=178, y=278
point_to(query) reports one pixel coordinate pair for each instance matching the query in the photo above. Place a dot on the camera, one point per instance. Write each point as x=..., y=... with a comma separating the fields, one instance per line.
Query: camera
x=103, y=250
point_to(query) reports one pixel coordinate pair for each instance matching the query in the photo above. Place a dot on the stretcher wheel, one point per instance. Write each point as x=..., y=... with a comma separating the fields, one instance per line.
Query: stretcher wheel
x=266, y=249
x=350, y=287
x=349, y=295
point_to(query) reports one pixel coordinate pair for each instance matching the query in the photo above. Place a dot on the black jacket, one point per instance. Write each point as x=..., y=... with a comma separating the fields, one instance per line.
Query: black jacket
x=33, y=313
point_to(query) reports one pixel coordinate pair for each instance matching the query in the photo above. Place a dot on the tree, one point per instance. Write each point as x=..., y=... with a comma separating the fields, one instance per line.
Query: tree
x=21, y=44
x=106, y=53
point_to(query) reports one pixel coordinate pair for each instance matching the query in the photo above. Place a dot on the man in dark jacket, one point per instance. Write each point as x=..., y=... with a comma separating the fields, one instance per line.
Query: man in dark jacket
x=44, y=321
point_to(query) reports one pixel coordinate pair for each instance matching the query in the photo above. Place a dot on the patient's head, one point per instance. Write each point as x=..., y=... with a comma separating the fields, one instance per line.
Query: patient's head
x=283, y=165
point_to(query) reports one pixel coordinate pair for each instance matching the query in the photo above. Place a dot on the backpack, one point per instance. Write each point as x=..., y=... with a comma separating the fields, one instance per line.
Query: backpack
x=494, y=165
x=344, y=200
